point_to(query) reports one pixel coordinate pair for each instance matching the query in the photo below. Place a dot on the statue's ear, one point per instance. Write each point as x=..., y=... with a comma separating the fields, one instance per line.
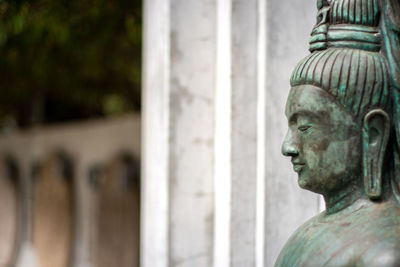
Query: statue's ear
x=375, y=136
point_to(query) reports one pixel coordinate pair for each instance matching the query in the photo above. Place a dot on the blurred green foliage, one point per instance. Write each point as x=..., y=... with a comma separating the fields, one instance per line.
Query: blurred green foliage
x=62, y=60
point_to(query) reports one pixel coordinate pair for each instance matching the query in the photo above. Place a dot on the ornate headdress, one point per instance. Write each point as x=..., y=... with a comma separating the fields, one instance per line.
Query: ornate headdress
x=355, y=56
x=346, y=57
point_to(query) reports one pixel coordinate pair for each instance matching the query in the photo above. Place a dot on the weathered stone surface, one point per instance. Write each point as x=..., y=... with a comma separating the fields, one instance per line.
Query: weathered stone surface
x=343, y=136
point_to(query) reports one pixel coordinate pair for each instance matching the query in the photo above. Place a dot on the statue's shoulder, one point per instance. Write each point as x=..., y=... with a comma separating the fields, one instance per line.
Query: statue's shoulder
x=372, y=239
x=382, y=254
x=366, y=236
x=305, y=229
x=298, y=242
x=382, y=216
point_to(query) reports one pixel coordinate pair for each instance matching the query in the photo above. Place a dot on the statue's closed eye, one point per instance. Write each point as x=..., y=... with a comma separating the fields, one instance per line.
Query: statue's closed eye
x=304, y=128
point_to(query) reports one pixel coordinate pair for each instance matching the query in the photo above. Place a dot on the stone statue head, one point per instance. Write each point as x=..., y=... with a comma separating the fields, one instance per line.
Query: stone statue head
x=342, y=109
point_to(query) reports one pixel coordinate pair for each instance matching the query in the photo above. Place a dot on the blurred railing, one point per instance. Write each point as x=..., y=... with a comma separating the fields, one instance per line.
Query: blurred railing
x=70, y=195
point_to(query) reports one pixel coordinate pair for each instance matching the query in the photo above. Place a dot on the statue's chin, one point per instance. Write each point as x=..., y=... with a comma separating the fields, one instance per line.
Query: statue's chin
x=305, y=183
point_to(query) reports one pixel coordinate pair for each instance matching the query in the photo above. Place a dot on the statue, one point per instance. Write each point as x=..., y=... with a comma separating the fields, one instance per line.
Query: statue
x=343, y=137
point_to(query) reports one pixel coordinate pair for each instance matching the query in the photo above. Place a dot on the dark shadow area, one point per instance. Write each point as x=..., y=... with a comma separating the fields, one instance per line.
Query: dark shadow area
x=64, y=60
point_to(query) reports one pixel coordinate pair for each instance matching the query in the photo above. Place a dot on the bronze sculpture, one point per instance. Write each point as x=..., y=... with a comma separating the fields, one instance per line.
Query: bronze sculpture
x=344, y=136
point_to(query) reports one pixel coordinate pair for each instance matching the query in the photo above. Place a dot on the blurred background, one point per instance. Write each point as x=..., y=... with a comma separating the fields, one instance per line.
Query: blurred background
x=68, y=60
x=70, y=79
x=148, y=133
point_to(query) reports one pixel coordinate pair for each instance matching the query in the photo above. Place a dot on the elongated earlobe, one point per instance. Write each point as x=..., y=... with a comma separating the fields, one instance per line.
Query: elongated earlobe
x=375, y=135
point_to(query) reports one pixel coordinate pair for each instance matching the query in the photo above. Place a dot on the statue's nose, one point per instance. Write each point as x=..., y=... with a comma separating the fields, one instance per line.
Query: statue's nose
x=289, y=146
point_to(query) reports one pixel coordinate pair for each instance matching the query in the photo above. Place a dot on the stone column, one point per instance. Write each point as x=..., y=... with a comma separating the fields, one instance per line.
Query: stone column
x=216, y=189
x=26, y=256
x=83, y=209
x=287, y=206
x=178, y=125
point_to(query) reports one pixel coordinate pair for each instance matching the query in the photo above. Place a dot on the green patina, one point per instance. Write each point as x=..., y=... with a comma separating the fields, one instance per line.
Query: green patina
x=344, y=136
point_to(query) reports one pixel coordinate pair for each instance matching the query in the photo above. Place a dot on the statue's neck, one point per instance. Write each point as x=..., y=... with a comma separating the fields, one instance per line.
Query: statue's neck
x=343, y=198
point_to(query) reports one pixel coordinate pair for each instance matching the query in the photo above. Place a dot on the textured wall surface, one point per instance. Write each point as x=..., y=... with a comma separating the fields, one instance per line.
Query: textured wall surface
x=191, y=139
x=287, y=206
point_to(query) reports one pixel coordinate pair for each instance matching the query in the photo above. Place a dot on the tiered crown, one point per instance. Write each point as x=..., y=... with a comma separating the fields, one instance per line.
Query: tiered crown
x=347, y=24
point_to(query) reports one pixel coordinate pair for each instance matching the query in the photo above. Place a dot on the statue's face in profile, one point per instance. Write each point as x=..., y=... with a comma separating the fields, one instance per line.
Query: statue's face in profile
x=323, y=140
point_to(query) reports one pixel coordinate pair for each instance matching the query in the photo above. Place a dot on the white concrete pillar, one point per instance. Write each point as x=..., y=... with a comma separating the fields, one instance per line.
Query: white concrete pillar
x=246, y=92
x=287, y=206
x=216, y=189
x=26, y=255
x=83, y=209
x=179, y=117
x=155, y=134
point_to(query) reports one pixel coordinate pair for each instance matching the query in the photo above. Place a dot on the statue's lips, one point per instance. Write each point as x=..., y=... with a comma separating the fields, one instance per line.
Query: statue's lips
x=297, y=167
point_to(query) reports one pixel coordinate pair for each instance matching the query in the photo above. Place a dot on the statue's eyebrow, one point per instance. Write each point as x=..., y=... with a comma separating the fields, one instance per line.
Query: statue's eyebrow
x=313, y=115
